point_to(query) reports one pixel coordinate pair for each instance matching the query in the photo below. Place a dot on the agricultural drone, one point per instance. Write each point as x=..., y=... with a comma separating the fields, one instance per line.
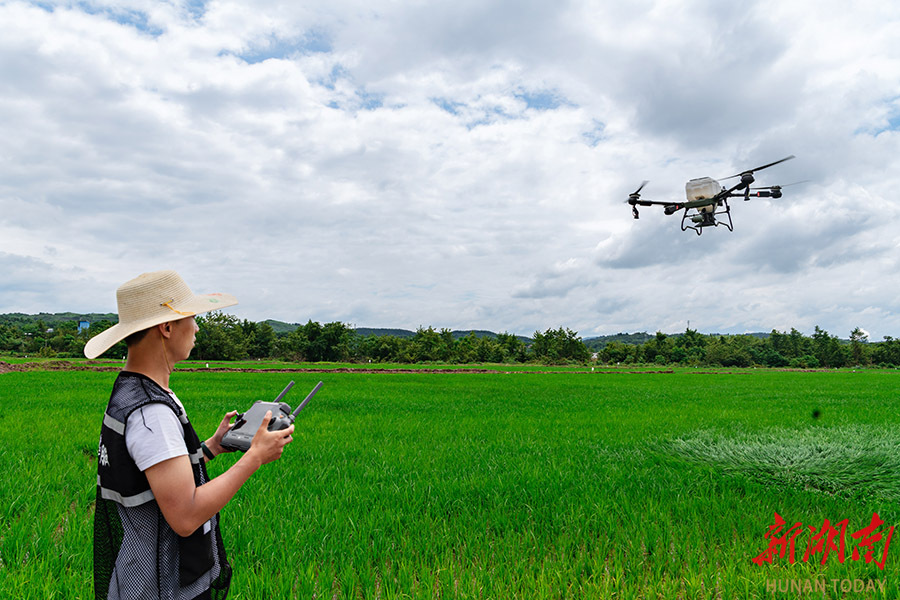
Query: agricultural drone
x=707, y=199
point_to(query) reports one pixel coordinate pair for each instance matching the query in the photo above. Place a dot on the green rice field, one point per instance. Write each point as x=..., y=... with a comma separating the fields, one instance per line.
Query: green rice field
x=530, y=484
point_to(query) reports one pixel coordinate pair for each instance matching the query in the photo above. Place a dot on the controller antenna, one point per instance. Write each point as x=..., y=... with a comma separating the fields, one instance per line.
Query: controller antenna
x=305, y=401
x=284, y=391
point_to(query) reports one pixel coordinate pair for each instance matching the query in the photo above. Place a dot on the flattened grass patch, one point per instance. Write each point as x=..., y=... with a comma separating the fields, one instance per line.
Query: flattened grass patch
x=849, y=461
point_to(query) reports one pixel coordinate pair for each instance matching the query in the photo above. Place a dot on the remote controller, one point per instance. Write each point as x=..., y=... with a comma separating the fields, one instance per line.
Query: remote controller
x=240, y=436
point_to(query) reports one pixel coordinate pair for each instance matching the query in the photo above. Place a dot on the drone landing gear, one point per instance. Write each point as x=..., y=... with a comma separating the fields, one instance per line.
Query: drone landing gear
x=698, y=220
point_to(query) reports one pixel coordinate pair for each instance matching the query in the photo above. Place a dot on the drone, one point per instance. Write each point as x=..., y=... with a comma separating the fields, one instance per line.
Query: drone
x=707, y=199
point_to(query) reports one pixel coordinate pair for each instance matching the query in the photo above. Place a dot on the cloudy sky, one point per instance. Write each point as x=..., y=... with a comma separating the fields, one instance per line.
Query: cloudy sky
x=460, y=164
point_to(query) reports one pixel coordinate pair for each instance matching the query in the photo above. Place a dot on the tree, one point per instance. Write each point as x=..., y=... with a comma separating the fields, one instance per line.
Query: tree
x=887, y=353
x=11, y=339
x=731, y=351
x=261, y=339
x=381, y=348
x=858, y=349
x=303, y=343
x=428, y=345
x=336, y=341
x=317, y=343
x=617, y=352
x=765, y=354
x=220, y=337
x=559, y=345
x=689, y=348
x=659, y=349
x=511, y=347
x=797, y=345
x=828, y=350
x=465, y=349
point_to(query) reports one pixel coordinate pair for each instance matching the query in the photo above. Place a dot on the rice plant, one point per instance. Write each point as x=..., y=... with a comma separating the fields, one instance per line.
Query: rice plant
x=486, y=485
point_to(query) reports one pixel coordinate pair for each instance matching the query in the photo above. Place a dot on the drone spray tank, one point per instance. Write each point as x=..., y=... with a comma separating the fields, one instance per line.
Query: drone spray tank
x=701, y=189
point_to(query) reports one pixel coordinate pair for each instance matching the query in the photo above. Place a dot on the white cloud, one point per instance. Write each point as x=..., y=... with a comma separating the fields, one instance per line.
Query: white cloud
x=453, y=164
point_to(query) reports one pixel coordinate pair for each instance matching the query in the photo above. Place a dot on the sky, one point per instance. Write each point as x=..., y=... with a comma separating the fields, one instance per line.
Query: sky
x=460, y=164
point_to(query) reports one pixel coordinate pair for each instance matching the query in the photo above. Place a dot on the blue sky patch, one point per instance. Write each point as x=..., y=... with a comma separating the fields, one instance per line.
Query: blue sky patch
x=491, y=116
x=131, y=18
x=595, y=135
x=337, y=72
x=542, y=99
x=312, y=42
x=890, y=121
x=894, y=121
x=369, y=101
x=196, y=8
x=449, y=106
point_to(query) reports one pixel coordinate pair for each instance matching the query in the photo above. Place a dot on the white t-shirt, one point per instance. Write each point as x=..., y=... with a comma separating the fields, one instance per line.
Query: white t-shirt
x=153, y=434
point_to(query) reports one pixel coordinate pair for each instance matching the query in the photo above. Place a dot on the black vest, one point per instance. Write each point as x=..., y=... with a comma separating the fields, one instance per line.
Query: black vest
x=122, y=489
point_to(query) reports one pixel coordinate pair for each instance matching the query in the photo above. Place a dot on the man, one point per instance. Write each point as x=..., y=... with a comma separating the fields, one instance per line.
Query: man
x=156, y=525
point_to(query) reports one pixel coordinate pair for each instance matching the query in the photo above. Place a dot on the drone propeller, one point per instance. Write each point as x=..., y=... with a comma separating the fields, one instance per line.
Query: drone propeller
x=751, y=171
x=634, y=199
x=638, y=191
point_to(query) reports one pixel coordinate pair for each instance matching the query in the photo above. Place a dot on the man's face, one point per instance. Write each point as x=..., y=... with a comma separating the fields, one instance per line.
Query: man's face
x=184, y=332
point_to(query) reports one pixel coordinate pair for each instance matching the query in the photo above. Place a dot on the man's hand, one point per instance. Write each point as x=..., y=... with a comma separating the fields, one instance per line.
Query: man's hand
x=215, y=442
x=268, y=445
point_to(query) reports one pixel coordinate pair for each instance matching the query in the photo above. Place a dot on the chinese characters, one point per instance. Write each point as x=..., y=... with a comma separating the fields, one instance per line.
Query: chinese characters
x=869, y=543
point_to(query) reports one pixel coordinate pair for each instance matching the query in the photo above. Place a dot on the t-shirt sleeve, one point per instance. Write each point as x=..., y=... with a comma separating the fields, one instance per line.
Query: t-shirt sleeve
x=153, y=434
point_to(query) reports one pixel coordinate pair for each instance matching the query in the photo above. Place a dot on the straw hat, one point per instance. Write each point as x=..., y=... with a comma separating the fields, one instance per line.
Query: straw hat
x=150, y=299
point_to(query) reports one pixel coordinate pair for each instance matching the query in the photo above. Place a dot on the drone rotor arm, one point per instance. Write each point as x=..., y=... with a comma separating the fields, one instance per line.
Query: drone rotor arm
x=635, y=200
x=672, y=208
x=640, y=202
x=729, y=192
x=772, y=191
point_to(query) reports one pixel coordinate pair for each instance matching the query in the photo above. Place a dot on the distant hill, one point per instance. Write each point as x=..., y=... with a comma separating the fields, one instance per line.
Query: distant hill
x=636, y=339
x=481, y=333
x=405, y=333
x=377, y=331
x=280, y=326
x=600, y=342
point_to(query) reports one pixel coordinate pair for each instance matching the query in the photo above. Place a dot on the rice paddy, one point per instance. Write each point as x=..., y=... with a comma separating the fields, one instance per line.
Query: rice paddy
x=496, y=485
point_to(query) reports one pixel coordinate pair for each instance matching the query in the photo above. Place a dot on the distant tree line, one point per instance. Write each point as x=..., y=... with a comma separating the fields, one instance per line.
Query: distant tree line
x=50, y=337
x=225, y=337
x=776, y=349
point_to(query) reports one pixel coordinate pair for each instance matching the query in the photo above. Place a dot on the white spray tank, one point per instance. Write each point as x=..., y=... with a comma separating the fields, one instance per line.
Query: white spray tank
x=701, y=189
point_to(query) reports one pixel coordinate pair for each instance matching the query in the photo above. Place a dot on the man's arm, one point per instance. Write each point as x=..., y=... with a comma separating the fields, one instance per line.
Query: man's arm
x=186, y=506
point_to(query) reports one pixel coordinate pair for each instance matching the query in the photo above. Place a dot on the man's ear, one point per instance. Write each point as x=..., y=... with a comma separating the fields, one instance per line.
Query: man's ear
x=165, y=329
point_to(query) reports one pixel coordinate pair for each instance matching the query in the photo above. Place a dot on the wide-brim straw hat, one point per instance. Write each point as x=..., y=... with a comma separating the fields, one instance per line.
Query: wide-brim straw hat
x=150, y=299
